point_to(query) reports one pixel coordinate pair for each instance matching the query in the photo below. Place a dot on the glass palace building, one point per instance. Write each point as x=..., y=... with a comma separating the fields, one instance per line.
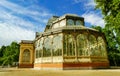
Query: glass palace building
x=65, y=44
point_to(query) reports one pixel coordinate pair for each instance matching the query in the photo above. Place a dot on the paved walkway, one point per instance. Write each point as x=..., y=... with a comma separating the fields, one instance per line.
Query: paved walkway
x=33, y=72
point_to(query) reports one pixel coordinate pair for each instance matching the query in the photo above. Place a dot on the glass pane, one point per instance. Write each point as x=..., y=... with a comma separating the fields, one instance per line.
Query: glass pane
x=78, y=22
x=69, y=46
x=37, y=53
x=82, y=45
x=101, y=46
x=93, y=45
x=47, y=47
x=40, y=47
x=70, y=22
x=65, y=45
x=57, y=45
x=36, y=44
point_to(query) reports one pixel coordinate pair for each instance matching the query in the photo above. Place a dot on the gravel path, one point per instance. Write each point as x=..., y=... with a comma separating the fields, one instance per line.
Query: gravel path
x=33, y=72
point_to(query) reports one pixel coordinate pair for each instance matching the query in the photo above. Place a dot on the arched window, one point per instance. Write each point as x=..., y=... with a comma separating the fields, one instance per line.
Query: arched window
x=40, y=47
x=47, y=47
x=79, y=22
x=26, y=56
x=70, y=22
x=37, y=53
x=82, y=45
x=93, y=45
x=69, y=45
x=57, y=45
x=36, y=48
x=101, y=46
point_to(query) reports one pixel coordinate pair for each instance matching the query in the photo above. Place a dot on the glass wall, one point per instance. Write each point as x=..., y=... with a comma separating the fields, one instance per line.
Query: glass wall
x=57, y=45
x=93, y=45
x=47, y=47
x=79, y=22
x=40, y=47
x=69, y=45
x=74, y=22
x=37, y=53
x=36, y=48
x=70, y=22
x=82, y=45
x=86, y=45
x=101, y=46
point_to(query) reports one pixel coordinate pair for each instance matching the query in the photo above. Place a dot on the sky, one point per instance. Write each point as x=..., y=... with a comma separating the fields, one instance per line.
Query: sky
x=20, y=19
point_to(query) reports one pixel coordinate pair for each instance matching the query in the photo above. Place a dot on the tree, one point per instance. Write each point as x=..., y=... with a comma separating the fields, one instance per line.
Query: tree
x=111, y=15
x=10, y=54
x=1, y=53
x=2, y=50
x=97, y=28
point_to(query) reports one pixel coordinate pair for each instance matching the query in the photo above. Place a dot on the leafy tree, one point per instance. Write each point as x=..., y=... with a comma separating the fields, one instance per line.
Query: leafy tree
x=10, y=54
x=111, y=15
x=97, y=28
x=2, y=50
x=1, y=53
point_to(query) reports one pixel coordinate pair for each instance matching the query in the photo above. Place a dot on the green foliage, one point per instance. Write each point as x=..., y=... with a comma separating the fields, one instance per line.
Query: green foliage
x=111, y=13
x=97, y=28
x=112, y=45
x=2, y=50
x=9, y=54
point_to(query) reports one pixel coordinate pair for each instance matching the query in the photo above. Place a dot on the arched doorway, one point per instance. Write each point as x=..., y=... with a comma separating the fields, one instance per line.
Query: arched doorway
x=26, y=56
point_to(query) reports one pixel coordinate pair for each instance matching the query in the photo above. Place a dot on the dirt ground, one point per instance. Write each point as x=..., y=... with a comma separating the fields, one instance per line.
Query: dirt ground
x=33, y=72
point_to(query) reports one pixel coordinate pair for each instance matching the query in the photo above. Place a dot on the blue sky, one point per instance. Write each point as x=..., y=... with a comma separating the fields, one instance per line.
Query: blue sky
x=20, y=19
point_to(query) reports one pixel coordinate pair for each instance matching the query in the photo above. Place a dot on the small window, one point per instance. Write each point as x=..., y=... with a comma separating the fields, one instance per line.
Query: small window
x=78, y=22
x=70, y=22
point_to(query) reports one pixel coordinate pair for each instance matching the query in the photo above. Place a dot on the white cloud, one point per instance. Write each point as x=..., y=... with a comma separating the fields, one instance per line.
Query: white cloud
x=93, y=19
x=89, y=3
x=14, y=26
x=9, y=18
x=91, y=16
x=41, y=12
x=9, y=33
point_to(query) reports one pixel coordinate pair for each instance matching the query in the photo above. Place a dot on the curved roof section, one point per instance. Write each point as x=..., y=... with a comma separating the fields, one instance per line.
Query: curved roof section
x=49, y=23
x=73, y=15
x=68, y=28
